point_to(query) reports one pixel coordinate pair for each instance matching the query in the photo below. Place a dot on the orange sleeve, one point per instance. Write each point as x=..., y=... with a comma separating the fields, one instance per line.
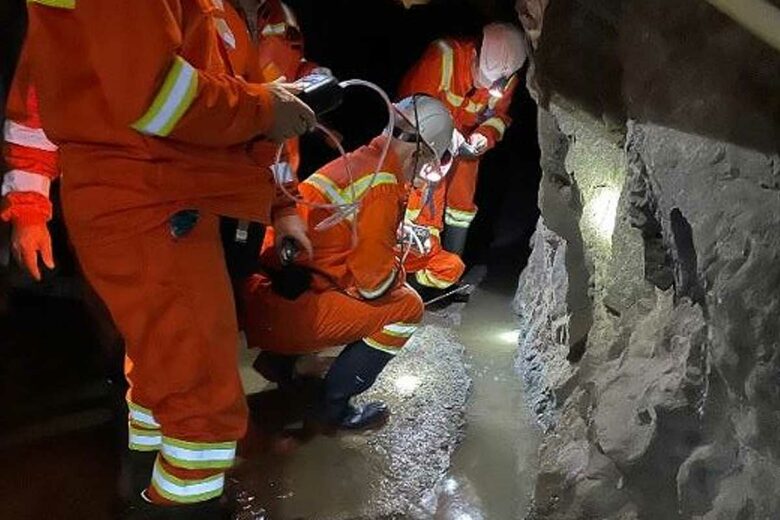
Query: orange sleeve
x=372, y=262
x=31, y=160
x=133, y=51
x=495, y=126
x=425, y=76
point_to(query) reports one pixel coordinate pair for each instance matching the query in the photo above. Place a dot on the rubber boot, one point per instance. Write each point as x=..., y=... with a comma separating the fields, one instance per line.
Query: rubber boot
x=426, y=293
x=454, y=239
x=135, y=475
x=210, y=510
x=429, y=294
x=353, y=372
x=277, y=368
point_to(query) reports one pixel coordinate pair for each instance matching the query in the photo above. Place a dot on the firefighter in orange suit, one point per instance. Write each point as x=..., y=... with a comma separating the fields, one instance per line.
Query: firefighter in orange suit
x=476, y=81
x=152, y=120
x=280, y=54
x=358, y=296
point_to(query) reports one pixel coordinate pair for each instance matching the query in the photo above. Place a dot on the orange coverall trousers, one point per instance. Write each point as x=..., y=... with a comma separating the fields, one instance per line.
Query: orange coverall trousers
x=320, y=320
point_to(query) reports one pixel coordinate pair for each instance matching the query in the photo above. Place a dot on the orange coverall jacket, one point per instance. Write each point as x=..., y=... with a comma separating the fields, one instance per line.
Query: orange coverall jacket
x=358, y=290
x=149, y=115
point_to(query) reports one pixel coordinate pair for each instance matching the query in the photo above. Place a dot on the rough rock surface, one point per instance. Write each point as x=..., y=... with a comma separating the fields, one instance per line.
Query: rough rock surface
x=650, y=307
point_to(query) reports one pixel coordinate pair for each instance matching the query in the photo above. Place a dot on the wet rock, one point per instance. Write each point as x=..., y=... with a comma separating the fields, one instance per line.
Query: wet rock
x=650, y=338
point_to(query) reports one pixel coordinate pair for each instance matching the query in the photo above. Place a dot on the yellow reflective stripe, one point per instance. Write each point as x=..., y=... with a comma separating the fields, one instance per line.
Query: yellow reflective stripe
x=186, y=491
x=140, y=439
x=379, y=291
x=326, y=187
x=412, y=214
x=447, y=68
x=453, y=99
x=351, y=193
x=225, y=33
x=458, y=218
x=497, y=124
x=172, y=101
x=275, y=29
x=390, y=349
x=400, y=330
x=62, y=4
x=474, y=108
x=426, y=278
x=447, y=64
x=195, y=455
x=142, y=416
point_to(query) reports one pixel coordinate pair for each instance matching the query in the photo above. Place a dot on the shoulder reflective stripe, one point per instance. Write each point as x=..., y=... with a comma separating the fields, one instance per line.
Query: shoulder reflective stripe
x=191, y=455
x=379, y=346
x=447, y=60
x=223, y=29
x=144, y=440
x=16, y=133
x=400, y=330
x=142, y=416
x=426, y=278
x=20, y=180
x=326, y=187
x=497, y=124
x=352, y=192
x=186, y=491
x=274, y=29
x=62, y=4
x=356, y=190
x=219, y=4
x=379, y=291
x=172, y=101
x=447, y=68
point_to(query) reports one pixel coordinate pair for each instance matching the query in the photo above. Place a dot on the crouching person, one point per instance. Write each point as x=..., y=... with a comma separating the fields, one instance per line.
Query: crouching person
x=357, y=295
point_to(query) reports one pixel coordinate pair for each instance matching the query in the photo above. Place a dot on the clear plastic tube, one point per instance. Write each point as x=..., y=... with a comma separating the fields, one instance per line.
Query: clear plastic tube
x=344, y=210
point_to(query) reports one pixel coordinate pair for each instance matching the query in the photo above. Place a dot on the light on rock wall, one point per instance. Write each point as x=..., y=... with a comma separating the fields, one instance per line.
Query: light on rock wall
x=509, y=336
x=602, y=210
x=407, y=384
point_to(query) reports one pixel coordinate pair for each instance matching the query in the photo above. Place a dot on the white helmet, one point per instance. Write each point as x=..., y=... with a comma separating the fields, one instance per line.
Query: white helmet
x=431, y=119
x=503, y=51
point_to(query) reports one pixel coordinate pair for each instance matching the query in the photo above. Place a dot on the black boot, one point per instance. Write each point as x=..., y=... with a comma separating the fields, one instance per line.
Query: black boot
x=353, y=372
x=437, y=296
x=277, y=368
x=454, y=239
x=210, y=510
x=135, y=475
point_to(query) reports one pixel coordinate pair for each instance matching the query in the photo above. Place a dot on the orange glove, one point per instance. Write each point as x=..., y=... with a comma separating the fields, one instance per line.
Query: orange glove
x=28, y=241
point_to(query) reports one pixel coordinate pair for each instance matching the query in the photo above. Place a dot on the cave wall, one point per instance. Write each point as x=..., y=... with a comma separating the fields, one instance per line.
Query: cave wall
x=650, y=308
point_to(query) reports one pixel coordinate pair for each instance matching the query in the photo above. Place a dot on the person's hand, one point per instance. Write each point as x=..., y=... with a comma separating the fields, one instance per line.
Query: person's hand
x=291, y=226
x=292, y=117
x=479, y=142
x=29, y=241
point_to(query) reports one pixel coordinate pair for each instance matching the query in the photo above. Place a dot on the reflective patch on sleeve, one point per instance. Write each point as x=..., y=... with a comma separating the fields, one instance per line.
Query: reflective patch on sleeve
x=497, y=124
x=19, y=181
x=28, y=136
x=60, y=4
x=379, y=291
x=172, y=101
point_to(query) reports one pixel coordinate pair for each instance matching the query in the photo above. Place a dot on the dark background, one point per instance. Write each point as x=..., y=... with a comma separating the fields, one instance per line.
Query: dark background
x=60, y=423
